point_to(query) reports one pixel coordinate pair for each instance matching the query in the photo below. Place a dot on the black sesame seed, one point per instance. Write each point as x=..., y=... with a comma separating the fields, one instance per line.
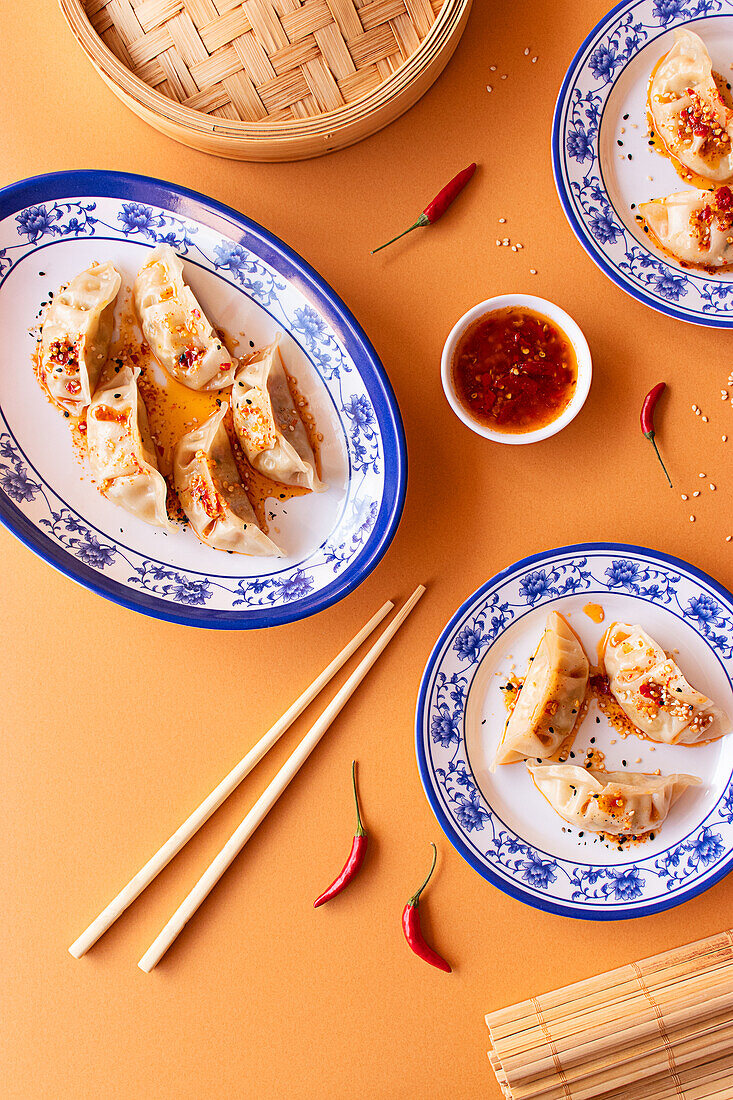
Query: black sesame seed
x=633, y=206
x=41, y=272
x=581, y=834
x=619, y=141
x=598, y=721
x=572, y=756
x=626, y=117
x=551, y=730
x=592, y=740
x=66, y=415
x=118, y=395
x=624, y=763
x=630, y=157
x=251, y=343
x=646, y=229
x=651, y=141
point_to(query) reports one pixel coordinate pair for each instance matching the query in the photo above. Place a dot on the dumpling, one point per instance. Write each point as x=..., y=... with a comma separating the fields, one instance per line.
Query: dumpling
x=268, y=425
x=694, y=226
x=75, y=336
x=211, y=491
x=175, y=326
x=609, y=802
x=549, y=702
x=651, y=690
x=121, y=451
x=688, y=112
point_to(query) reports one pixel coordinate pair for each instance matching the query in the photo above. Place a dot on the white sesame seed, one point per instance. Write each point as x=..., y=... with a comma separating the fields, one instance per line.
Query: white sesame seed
x=724, y=438
x=502, y=221
x=506, y=241
x=534, y=60
x=701, y=475
x=694, y=408
x=713, y=487
x=692, y=519
x=526, y=52
x=532, y=271
x=514, y=248
x=705, y=420
x=503, y=76
x=684, y=496
x=728, y=538
x=520, y=246
x=489, y=88
x=498, y=241
x=493, y=68
x=696, y=493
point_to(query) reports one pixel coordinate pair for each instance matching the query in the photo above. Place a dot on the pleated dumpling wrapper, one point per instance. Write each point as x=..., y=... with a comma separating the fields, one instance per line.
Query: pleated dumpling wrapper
x=267, y=422
x=688, y=111
x=618, y=803
x=549, y=702
x=212, y=494
x=693, y=226
x=179, y=334
x=76, y=334
x=652, y=692
x=121, y=450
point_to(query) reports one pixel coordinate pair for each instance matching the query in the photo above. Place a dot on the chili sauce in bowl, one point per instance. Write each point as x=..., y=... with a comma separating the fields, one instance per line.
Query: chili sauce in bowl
x=516, y=369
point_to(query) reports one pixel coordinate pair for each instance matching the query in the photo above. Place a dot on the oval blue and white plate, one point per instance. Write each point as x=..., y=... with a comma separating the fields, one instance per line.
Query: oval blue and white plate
x=499, y=821
x=605, y=166
x=51, y=228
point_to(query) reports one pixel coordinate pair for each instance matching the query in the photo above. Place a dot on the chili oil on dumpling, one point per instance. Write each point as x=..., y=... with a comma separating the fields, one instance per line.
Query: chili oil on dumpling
x=695, y=227
x=121, y=450
x=212, y=494
x=688, y=112
x=177, y=330
x=75, y=336
x=653, y=693
x=269, y=427
x=617, y=803
x=549, y=702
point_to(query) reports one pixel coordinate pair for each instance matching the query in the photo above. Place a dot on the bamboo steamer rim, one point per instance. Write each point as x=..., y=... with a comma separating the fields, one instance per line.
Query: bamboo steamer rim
x=426, y=61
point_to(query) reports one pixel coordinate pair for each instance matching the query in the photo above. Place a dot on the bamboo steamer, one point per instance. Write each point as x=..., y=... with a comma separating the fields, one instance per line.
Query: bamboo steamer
x=268, y=80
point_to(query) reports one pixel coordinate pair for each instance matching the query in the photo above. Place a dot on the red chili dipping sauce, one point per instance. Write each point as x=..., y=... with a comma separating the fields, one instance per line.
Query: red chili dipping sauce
x=515, y=370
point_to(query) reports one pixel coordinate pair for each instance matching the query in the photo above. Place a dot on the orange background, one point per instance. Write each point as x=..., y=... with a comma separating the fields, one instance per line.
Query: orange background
x=116, y=725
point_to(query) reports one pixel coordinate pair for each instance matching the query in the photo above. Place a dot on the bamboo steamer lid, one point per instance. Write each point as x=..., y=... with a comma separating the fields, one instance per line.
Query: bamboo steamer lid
x=268, y=80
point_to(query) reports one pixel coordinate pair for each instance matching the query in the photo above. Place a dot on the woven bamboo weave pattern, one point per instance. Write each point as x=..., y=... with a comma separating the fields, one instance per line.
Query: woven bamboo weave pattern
x=263, y=59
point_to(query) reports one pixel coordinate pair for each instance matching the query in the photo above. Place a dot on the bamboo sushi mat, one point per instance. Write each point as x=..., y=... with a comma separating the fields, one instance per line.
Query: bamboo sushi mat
x=263, y=59
x=658, y=1029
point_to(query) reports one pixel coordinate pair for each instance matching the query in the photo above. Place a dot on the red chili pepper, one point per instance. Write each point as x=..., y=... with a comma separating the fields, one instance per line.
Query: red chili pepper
x=647, y=420
x=412, y=930
x=356, y=855
x=437, y=208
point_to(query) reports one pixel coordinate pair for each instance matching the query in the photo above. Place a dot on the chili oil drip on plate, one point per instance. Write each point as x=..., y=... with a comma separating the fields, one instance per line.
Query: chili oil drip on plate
x=515, y=370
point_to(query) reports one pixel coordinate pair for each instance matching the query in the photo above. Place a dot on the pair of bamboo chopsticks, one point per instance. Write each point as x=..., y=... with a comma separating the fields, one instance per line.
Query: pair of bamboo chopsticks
x=262, y=806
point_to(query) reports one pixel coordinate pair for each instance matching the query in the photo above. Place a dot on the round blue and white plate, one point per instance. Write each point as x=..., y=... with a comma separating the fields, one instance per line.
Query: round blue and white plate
x=54, y=226
x=499, y=821
x=604, y=165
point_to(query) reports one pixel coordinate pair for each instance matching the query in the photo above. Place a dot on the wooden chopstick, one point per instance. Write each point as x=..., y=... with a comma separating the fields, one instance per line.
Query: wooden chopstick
x=270, y=795
x=230, y=782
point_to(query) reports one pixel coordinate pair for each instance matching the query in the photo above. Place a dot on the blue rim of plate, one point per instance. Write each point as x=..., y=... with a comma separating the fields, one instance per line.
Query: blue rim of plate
x=457, y=838
x=52, y=186
x=673, y=278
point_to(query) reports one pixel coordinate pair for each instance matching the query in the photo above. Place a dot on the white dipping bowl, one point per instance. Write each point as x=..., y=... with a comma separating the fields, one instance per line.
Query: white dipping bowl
x=553, y=313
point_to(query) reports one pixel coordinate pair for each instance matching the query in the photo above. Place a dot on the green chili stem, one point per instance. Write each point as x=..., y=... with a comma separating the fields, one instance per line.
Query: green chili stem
x=421, y=221
x=416, y=897
x=652, y=440
x=359, y=826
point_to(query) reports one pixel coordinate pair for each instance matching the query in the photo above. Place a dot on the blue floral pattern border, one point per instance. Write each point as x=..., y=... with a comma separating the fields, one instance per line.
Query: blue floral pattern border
x=563, y=885
x=576, y=131
x=85, y=217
